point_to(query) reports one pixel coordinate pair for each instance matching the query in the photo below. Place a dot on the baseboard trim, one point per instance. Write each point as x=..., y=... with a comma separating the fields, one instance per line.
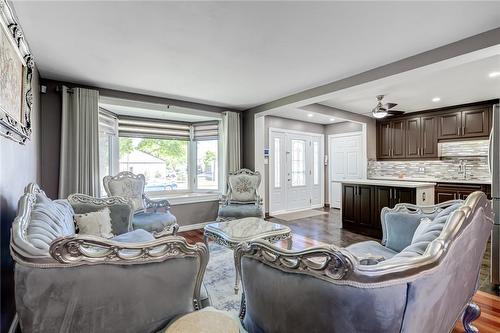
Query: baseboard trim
x=194, y=226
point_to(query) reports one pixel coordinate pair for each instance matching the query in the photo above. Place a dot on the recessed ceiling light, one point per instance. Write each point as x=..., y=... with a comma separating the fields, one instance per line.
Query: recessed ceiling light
x=309, y=114
x=494, y=74
x=436, y=99
x=332, y=119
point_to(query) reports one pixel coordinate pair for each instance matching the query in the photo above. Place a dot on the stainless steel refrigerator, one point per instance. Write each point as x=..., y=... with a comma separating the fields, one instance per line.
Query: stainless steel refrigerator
x=494, y=163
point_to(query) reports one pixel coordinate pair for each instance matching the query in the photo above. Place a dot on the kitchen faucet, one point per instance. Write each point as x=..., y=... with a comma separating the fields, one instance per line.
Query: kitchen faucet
x=462, y=169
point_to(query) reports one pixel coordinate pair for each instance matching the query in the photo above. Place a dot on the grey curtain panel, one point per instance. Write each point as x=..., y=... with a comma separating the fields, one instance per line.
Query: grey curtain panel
x=79, y=165
x=231, y=143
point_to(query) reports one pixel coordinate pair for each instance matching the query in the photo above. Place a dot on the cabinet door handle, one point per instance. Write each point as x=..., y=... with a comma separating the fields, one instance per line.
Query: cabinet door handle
x=463, y=130
x=458, y=131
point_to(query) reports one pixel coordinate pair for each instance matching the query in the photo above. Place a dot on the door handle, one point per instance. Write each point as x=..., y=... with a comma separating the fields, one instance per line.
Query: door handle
x=458, y=131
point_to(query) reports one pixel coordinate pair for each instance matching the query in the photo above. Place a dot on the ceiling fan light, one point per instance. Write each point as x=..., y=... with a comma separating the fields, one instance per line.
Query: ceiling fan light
x=380, y=113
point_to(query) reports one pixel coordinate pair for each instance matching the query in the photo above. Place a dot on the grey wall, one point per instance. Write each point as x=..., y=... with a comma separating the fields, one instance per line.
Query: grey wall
x=193, y=213
x=248, y=139
x=19, y=165
x=343, y=127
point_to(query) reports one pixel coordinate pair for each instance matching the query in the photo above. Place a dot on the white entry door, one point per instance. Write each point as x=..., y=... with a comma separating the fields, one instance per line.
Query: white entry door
x=296, y=171
x=346, y=162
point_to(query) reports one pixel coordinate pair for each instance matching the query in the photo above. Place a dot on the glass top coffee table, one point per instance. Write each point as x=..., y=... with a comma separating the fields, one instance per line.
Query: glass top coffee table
x=234, y=232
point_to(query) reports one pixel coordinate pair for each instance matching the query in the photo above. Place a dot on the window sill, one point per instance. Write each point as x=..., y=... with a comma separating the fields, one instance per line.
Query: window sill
x=187, y=198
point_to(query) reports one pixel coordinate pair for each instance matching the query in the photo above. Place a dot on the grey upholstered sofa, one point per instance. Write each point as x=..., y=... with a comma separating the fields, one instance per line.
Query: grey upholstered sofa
x=422, y=287
x=66, y=282
x=146, y=215
x=242, y=198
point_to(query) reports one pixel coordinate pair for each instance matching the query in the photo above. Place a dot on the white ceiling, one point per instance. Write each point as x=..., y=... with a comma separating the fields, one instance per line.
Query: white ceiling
x=235, y=54
x=414, y=90
x=302, y=115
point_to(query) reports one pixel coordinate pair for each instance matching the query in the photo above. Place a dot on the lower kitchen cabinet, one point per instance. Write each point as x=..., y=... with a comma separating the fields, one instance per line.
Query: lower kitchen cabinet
x=453, y=191
x=362, y=204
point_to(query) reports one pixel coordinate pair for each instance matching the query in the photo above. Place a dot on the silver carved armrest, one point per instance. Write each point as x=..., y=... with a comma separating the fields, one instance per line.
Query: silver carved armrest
x=223, y=200
x=155, y=204
x=80, y=250
x=328, y=262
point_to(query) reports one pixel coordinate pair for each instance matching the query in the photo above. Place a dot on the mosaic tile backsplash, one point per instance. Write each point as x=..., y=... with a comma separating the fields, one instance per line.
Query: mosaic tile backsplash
x=474, y=155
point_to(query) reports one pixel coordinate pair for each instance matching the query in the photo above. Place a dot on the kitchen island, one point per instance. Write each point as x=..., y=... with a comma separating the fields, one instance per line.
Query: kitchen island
x=363, y=200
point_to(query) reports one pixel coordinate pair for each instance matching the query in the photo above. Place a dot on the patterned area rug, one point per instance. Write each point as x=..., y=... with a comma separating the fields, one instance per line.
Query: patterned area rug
x=219, y=279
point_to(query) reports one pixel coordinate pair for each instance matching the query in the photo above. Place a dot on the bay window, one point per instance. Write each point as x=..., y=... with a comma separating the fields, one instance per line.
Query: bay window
x=173, y=156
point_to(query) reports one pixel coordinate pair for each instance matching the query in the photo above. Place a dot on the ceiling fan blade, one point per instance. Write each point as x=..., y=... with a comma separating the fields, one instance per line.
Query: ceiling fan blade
x=390, y=105
x=395, y=112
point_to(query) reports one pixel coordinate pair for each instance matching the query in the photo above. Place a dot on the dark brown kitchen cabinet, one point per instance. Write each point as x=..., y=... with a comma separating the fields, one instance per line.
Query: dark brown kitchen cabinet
x=452, y=191
x=362, y=204
x=398, y=138
x=413, y=137
x=384, y=140
x=449, y=125
x=466, y=122
x=416, y=136
x=421, y=139
x=428, y=140
x=475, y=121
x=391, y=139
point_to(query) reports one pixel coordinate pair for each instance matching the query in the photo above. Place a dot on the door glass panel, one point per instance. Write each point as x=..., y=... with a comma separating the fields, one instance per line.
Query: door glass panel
x=277, y=163
x=298, y=163
x=316, y=163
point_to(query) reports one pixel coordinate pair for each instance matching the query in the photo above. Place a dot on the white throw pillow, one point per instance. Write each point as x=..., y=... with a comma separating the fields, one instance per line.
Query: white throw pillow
x=95, y=223
x=425, y=222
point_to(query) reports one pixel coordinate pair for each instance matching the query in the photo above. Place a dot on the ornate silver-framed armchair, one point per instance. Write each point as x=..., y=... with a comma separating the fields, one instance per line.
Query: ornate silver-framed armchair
x=242, y=198
x=415, y=290
x=66, y=282
x=146, y=215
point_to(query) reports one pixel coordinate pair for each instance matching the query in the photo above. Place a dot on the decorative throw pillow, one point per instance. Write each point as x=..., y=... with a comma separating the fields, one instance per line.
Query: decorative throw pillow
x=243, y=187
x=95, y=223
x=422, y=227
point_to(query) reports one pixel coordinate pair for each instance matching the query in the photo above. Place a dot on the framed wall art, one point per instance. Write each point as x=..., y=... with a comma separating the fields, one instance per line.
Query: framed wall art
x=16, y=72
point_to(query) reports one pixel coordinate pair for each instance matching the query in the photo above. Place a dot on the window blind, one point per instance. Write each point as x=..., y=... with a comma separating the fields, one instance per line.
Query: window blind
x=206, y=131
x=107, y=123
x=153, y=128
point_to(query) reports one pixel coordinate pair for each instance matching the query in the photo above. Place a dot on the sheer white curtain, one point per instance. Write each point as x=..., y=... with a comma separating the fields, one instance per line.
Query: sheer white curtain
x=79, y=164
x=231, y=140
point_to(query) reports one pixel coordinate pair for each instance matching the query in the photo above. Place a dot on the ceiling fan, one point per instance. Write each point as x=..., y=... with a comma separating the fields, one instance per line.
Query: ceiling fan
x=383, y=110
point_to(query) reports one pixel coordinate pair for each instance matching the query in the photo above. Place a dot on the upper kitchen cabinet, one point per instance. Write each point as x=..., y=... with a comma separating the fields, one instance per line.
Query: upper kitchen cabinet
x=466, y=122
x=421, y=137
x=416, y=136
x=476, y=121
x=450, y=125
x=391, y=139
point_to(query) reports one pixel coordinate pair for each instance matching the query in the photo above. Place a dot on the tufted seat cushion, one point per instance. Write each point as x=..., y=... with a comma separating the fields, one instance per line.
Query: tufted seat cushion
x=153, y=221
x=240, y=211
x=49, y=220
x=370, y=249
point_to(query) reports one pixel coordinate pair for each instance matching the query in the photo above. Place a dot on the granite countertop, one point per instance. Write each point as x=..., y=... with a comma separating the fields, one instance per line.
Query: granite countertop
x=391, y=183
x=435, y=180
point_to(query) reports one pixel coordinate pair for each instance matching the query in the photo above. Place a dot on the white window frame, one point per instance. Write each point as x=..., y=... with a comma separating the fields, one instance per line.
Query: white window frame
x=191, y=170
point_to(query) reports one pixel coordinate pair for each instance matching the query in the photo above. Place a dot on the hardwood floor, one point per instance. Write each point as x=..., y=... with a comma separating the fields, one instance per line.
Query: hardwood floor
x=327, y=228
